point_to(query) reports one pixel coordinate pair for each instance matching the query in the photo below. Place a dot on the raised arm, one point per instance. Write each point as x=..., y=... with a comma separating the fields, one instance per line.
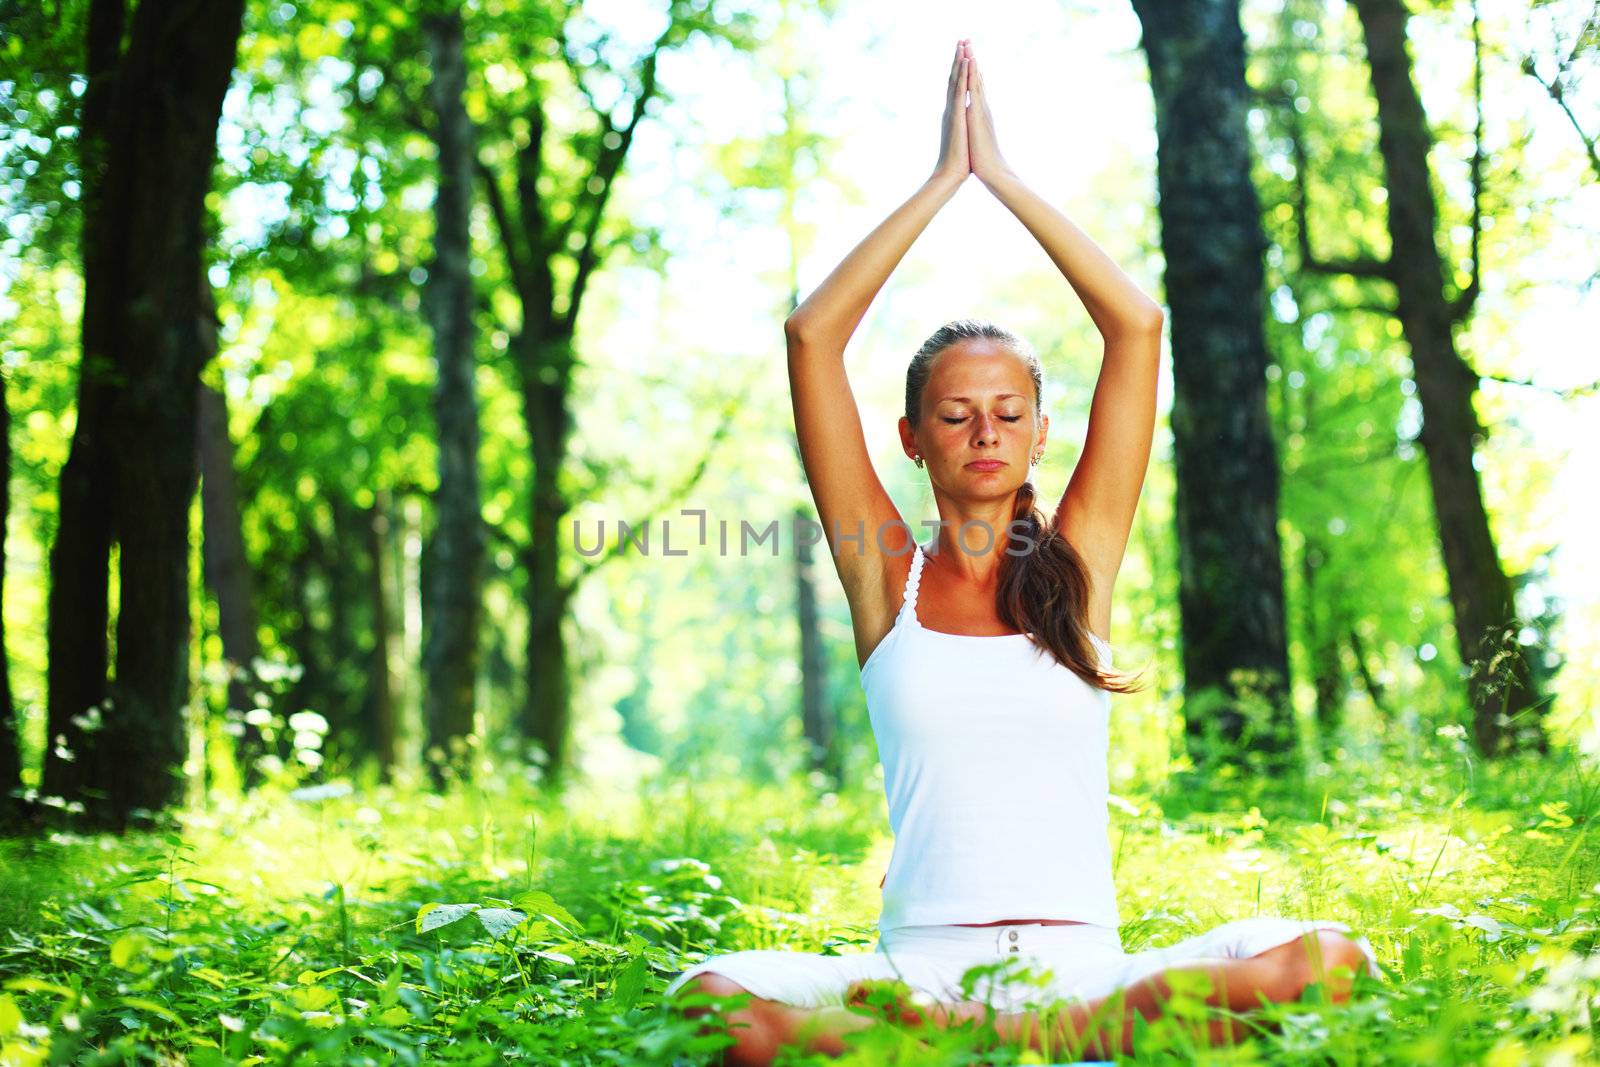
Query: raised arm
x=848, y=494
x=1096, y=511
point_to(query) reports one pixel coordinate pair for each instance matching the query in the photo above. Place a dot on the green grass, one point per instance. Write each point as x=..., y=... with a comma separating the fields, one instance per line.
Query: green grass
x=278, y=930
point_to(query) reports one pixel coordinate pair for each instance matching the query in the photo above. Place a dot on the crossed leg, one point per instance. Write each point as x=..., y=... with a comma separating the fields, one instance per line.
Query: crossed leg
x=763, y=1026
x=1104, y=1025
x=1088, y=1027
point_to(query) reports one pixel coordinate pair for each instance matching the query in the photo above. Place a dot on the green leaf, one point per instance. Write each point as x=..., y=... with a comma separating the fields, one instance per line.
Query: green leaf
x=37, y=985
x=630, y=983
x=127, y=950
x=154, y=1008
x=433, y=916
x=10, y=1016
x=312, y=998
x=212, y=975
x=501, y=921
x=312, y=977
x=538, y=902
x=395, y=1016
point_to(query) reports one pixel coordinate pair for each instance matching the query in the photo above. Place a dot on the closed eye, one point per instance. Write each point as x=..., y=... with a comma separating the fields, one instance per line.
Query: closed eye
x=1005, y=418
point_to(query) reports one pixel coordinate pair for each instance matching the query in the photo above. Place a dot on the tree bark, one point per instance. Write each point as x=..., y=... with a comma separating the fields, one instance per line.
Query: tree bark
x=816, y=716
x=1324, y=630
x=307, y=567
x=227, y=572
x=1369, y=681
x=536, y=240
x=1480, y=595
x=11, y=804
x=348, y=654
x=148, y=132
x=453, y=572
x=381, y=717
x=1230, y=587
x=547, y=712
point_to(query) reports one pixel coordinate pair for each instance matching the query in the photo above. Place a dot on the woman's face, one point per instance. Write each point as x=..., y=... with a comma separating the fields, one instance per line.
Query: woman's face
x=978, y=431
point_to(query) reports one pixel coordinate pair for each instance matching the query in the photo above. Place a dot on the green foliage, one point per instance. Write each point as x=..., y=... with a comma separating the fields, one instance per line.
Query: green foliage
x=333, y=924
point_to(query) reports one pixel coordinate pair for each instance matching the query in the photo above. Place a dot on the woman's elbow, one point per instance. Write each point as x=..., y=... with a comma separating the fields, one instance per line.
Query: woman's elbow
x=1153, y=318
x=795, y=328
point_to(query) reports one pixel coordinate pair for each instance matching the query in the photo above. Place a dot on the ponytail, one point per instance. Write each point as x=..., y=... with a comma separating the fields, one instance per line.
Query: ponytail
x=1045, y=591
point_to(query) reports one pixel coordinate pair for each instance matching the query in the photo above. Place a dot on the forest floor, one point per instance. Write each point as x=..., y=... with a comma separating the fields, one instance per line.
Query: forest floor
x=488, y=925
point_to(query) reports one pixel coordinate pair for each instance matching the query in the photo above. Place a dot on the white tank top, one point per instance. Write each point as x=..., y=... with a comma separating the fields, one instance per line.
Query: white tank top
x=994, y=764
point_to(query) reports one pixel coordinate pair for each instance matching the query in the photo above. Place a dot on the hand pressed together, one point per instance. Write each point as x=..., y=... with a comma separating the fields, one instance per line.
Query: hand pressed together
x=967, y=141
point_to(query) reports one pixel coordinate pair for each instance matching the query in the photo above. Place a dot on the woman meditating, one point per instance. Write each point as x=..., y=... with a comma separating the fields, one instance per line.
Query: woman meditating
x=987, y=672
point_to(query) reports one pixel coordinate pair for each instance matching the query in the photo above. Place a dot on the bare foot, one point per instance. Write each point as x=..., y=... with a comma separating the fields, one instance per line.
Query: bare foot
x=899, y=1003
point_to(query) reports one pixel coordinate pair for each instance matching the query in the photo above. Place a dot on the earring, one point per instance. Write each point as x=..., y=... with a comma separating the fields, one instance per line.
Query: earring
x=917, y=459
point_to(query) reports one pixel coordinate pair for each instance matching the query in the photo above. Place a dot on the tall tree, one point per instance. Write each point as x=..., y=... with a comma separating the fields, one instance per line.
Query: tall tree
x=1230, y=585
x=453, y=567
x=227, y=572
x=798, y=143
x=782, y=163
x=1486, y=622
x=549, y=195
x=381, y=714
x=10, y=745
x=155, y=80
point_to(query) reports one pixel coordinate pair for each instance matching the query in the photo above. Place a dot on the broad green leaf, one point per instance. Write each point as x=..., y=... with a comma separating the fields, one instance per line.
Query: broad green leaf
x=538, y=902
x=312, y=977
x=501, y=921
x=312, y=997
x=10, y=1016
x=127, y=950
x=16, y=1054
x=630, y=983
x=433, y=916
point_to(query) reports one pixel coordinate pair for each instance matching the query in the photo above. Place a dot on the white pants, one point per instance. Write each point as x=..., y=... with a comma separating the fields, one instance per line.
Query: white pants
x=1075, y=961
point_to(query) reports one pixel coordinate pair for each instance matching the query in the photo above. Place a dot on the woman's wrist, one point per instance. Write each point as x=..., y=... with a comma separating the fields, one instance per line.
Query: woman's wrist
x=945, y=182
x=1000, y=176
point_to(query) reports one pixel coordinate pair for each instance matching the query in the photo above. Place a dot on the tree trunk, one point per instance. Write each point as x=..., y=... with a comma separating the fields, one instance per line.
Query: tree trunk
x=348, y=654
x=11, y=805
x=1323, y=629
x=227, y=572
x=1480, y=595
x=381, y=717
x=1230, y=587
x=453, y=572
x=546, y=712
x=816, y=716
x=1369, y=681
x=638, y=730
x=540, y=241
x=310, y=687
x=148, y=132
